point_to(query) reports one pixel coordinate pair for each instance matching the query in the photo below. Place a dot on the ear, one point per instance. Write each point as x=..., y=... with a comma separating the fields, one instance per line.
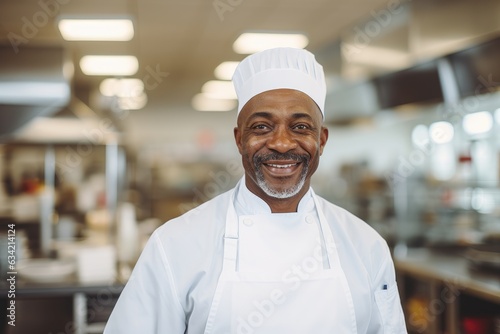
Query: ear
x=323, y=138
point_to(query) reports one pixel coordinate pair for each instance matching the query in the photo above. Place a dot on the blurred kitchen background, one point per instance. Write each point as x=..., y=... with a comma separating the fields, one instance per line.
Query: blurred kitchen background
x=95, y=153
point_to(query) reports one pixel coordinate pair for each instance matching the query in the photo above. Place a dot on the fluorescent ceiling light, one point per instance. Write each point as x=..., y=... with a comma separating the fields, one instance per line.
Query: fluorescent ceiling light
x=387, y=58
x=109, y=65
x=477, y=123
x=96, y=30
x=226, y=70
x=133, y=102
x=219, y=89
x=202, y=102
x=121, y=87
x=441, y=132
x=248, y=43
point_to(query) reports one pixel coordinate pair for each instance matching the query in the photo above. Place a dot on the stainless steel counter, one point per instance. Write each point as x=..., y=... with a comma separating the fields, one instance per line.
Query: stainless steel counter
x=440, y=291
x=450, y=269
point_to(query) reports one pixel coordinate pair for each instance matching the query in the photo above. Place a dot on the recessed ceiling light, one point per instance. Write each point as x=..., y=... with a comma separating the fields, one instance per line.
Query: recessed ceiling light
x=202, y=102
x=109, y=65
x=96, y=30
x=226, y=70
x=121, y=87
x=217, y=89
x=248, y=43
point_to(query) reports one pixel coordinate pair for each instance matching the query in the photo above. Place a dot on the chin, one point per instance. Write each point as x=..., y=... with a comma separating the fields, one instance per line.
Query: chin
x=281, y=192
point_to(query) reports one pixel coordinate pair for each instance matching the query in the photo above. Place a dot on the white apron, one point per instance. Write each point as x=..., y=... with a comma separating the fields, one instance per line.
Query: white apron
x=313, y=296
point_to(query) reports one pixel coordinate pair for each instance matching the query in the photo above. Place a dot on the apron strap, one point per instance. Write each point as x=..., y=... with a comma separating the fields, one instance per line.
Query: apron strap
x=326, y=234
x=231, y=237
x=334, y=261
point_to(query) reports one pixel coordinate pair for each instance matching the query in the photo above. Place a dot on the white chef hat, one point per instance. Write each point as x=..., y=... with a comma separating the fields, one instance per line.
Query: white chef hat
x=280, y=68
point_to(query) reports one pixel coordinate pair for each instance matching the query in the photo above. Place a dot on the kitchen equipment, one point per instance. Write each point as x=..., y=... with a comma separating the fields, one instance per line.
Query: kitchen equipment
x=484, y=256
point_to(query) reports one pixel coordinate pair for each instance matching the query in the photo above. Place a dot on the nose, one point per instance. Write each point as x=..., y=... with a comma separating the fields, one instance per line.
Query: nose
x=282, y=141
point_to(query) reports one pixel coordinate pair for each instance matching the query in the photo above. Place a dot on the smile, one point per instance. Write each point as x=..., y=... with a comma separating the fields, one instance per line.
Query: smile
x=281, y=169
x=282, y=166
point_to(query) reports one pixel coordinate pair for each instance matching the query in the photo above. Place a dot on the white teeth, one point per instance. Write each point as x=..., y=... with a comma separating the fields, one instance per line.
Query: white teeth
x=282, y=166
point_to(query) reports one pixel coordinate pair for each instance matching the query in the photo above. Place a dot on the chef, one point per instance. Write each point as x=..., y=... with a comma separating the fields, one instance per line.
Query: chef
x=269, y=256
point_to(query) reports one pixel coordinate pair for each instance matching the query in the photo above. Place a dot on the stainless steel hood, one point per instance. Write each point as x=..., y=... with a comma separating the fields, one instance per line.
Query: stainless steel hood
x=405, y=54
x=34, y=81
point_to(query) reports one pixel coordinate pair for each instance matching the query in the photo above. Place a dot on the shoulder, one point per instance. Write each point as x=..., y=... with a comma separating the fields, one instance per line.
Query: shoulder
x=198, y=231
x=344, y=221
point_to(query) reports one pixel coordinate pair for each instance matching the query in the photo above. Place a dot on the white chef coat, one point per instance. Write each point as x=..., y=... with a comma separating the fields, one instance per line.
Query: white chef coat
x=174, y=281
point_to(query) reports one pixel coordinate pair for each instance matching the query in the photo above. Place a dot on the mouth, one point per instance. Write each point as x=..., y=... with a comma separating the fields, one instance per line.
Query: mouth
x=281, y=175
x=281, y=168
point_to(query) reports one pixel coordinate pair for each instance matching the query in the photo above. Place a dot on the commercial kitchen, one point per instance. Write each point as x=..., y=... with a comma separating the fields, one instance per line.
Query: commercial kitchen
x=117, y=116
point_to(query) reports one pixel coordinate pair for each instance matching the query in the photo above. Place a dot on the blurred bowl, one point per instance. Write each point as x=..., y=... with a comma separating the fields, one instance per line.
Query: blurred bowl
x=46, y=270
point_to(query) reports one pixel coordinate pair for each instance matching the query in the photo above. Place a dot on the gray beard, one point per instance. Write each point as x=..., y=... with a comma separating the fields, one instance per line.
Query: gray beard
x=285, y=193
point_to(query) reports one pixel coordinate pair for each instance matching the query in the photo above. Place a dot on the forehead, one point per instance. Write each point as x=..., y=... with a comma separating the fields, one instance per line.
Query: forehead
x=283, y=100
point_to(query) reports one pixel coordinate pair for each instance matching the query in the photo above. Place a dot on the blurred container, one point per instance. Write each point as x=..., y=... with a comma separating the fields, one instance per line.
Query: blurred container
x=66, y=228
x=127, y=237
x=96, y=264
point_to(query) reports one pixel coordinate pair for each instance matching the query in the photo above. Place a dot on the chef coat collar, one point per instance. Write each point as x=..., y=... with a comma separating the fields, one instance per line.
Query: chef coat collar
x=247, y=203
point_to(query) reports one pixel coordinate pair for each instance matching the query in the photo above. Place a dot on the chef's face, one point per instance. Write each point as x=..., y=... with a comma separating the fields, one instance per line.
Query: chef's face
x=280, y=138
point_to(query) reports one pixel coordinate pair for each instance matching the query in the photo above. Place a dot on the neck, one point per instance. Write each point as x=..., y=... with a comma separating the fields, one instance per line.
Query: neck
x=284, y=205
x=279, y=205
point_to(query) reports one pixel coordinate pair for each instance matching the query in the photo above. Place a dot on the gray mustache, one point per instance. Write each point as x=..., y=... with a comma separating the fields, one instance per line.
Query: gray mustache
x=263, y=158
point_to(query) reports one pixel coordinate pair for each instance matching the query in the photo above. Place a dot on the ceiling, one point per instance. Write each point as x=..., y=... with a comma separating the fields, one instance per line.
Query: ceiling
x=183, y=41
x=187, y=39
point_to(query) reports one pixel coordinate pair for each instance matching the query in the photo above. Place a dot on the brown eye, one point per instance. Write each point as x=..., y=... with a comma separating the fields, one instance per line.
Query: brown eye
x=261, y=128
x=301, y=127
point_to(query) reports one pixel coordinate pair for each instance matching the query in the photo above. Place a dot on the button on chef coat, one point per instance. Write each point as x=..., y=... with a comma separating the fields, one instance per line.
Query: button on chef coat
x=174, y=281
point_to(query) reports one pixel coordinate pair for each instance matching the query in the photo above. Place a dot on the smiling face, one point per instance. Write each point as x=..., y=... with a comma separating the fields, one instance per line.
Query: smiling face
x=280, y=138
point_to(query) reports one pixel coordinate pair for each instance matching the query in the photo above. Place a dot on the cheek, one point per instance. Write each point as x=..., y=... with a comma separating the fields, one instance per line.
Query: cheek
x=252, y=145
x=247, y=153
x=312, y=147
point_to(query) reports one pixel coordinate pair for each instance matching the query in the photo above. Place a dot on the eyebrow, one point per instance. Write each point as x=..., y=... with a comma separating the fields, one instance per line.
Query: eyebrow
x=263, y=114
x=302, y=115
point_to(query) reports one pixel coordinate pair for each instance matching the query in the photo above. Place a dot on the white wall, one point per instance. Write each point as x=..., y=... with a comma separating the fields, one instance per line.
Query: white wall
x=380, y=144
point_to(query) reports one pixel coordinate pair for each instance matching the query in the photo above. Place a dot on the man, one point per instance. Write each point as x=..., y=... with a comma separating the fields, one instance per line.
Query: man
x=268, y=256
